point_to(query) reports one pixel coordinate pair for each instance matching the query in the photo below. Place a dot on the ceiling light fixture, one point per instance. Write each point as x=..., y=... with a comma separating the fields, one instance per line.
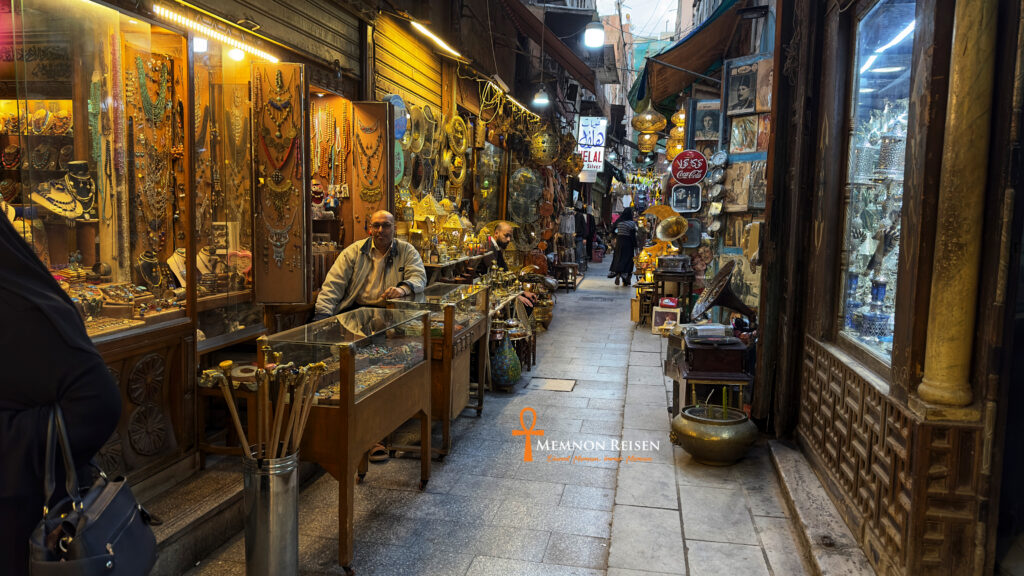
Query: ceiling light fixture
x=593, y=34
x=236, y=54
x=444, y=45
x=887, y=69
x=541, y=98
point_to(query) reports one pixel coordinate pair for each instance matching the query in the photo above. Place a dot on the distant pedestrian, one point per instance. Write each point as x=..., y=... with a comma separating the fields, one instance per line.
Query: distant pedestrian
x=52, y=361
x=625, y=247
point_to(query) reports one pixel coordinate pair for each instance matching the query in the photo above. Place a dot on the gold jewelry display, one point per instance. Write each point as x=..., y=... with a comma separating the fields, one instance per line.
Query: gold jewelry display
x=149, y=269
x=61, y=123
x=39, y=122
x=280, y=103
x=370, y=189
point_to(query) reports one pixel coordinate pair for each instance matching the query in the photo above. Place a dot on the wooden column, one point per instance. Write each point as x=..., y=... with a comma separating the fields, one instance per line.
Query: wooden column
x=954, y=289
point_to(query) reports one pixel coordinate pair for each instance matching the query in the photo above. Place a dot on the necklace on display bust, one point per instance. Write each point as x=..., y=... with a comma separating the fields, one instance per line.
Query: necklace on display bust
x=149, y=269
x=178, y=266
x=41, y=157
x=39, y=122
x=11, y=157
x=81, y=185
x=54, y=197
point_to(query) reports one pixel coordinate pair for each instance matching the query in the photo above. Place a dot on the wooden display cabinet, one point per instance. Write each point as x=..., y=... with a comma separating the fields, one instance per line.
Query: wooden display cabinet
x=365, y=394
x=459, y=321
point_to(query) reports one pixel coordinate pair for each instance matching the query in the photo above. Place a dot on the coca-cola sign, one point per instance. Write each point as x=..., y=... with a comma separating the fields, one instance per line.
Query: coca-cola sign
x=689, y=167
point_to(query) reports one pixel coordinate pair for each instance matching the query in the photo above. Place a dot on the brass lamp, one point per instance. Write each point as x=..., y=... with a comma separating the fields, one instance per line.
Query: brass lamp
x=650, y=120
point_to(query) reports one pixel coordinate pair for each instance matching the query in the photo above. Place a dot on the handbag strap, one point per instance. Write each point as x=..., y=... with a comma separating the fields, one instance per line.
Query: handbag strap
x=57, y=433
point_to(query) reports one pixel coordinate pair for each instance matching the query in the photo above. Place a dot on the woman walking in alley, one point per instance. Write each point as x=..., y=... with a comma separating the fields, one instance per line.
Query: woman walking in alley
x=625, y=247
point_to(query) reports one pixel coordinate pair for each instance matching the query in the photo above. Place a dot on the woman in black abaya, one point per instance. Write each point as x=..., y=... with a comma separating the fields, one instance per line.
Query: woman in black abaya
x=625, y=247
x=49, y=360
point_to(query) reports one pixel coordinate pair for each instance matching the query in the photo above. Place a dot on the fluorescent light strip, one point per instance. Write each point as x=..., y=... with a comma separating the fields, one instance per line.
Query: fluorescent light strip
x=207, y=31
x=888, y=69
x=899, y=37
x=423, y=30
x=871, y=60
x=513, y=100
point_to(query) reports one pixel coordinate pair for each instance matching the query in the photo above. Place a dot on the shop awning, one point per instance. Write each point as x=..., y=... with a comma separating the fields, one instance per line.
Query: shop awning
x=699, y=51
x=530, y=25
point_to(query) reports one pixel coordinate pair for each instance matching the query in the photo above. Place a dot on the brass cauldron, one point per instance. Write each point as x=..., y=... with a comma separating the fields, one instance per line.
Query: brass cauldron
x=710, y=438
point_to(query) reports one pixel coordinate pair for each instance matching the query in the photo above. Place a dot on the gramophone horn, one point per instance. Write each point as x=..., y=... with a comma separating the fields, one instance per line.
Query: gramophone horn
x=719, y=293
x=672, y=228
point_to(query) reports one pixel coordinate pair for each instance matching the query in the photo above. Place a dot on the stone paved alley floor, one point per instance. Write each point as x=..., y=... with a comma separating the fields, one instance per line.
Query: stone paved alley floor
x=487, y=512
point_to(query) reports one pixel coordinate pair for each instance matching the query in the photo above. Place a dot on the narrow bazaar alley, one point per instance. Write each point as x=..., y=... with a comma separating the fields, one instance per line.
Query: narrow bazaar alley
x=645, y=510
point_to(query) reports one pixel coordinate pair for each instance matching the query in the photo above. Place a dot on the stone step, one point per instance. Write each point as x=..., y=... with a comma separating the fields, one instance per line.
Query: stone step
x=825, y=538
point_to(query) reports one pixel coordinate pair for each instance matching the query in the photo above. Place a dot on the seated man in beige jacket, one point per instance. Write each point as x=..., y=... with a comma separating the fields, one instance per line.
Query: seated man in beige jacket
x=371, y=271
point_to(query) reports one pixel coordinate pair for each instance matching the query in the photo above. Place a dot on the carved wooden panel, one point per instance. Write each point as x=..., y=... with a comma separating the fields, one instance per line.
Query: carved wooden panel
x=155, y=425
x=949, y=502
x=910, y=491
x=860, y=438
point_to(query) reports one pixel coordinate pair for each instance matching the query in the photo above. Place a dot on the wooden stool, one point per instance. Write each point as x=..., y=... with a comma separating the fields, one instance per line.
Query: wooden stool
x=231, y=443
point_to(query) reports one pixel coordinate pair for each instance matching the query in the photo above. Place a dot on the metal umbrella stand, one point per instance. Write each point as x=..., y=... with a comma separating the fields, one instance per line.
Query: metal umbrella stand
x=270, y=494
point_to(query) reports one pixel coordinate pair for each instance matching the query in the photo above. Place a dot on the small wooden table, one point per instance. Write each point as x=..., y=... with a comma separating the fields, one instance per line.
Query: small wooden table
x=707, y=368
x=684, y=287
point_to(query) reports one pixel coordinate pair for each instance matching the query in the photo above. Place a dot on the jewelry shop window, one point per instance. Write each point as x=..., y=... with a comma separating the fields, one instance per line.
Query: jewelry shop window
x=871, y=241
x=223, y=187
x=92, y=103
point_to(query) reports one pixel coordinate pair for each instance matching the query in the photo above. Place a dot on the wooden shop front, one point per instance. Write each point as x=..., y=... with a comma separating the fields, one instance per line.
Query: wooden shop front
x=885, y=267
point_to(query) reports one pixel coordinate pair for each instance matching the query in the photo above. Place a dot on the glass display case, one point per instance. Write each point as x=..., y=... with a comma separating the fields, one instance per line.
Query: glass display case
x=383, y=345
x=223, y=189
x=377, y=378
x=467, y=302
x=875, y=169
x=458, y=321
x=93, y=106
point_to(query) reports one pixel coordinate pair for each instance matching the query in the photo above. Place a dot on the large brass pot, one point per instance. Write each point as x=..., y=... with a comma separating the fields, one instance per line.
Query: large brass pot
x=711, y=438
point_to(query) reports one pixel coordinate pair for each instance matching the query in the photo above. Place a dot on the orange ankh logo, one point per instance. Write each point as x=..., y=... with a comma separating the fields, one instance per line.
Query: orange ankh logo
x=528, y=432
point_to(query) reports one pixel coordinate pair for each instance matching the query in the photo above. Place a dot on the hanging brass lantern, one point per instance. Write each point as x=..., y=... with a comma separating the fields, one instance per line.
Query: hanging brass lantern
x=544, y=146
x=677, y=133
x=673, y=148
x=650, y=120
x=573, y=164
x=679, y=118
x=646, y=142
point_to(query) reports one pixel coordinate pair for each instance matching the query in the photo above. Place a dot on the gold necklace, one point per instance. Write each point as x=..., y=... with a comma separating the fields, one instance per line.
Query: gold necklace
x=371, y=188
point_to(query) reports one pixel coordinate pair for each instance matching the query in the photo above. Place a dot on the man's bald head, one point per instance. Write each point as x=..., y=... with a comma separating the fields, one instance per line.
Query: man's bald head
x=502, y=233
x=382, y=229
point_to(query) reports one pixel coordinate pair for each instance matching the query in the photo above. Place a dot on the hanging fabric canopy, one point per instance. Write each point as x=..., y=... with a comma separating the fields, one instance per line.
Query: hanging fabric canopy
x=699, y=52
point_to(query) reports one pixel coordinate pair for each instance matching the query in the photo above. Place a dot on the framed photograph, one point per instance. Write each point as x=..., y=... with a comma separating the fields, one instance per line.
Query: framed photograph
x=744, y=135
x=765, y=71
x=758, y=185
x=764, y=131
x=746, y=279
x=663, y=315
x=742, y=89
x=737, y=187
x=734, y=230
x=707, y=123
x=685, y=199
